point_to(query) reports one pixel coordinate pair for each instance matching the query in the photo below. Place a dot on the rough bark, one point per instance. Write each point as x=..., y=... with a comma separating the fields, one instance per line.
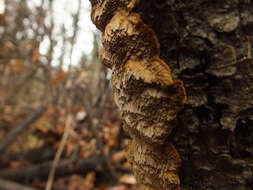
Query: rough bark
x=207, y=44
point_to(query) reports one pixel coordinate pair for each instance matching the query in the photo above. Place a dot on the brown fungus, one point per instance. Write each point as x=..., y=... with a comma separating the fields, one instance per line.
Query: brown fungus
x=143, y=88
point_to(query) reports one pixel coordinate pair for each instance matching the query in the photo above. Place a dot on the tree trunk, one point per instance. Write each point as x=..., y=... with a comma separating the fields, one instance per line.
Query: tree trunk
x=207, y=44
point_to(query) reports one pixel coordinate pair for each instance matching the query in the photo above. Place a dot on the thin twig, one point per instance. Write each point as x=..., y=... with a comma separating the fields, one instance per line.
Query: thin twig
x=69, y=122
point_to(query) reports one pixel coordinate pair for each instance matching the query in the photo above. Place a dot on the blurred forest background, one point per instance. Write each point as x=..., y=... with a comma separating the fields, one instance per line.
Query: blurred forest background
x=59, y=127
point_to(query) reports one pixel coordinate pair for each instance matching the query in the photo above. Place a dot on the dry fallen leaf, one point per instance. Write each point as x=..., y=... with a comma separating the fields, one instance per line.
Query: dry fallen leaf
x=8, y=47
x=43, y=129
x=36, y=55
x=17, y=65
x=119, y=187
x=128, y=179
x=70, y=147
x=127, y=165
x=119, y=156
x=59, y=77
x=88, y=182
x=60, y=129
x=16, y=164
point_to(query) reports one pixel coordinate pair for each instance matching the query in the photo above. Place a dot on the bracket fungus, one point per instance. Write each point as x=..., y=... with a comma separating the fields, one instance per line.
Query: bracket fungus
x=143, y=88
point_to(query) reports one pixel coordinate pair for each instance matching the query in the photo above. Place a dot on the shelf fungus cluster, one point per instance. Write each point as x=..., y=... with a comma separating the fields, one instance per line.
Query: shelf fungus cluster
x=147, y=96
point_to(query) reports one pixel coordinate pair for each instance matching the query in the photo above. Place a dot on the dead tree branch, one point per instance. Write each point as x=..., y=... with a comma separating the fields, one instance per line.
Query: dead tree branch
x=9, y=138
x=9, y=185
x=65, y=167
